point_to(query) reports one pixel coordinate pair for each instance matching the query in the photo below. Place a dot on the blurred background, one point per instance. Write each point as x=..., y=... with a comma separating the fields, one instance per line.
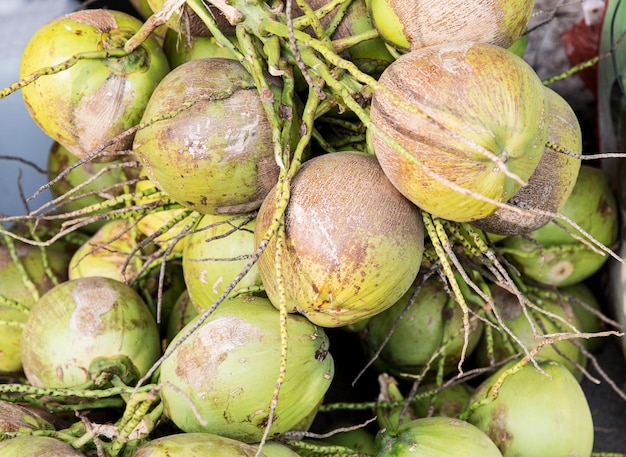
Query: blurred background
x=20, y=138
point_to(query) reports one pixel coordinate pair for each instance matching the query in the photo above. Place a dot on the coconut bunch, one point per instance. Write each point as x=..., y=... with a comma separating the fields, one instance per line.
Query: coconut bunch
x=238, y=183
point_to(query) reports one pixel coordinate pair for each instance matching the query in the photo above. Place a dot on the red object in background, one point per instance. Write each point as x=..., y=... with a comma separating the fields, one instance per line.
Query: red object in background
x=581, y=43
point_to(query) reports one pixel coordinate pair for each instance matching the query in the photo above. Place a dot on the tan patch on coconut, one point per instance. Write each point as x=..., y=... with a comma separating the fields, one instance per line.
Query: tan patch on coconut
x=96, y=117
x=93, y=299
x=100, y=19
x=561, y=271
x=497, y=429
x=200, y=357
x=496, y=22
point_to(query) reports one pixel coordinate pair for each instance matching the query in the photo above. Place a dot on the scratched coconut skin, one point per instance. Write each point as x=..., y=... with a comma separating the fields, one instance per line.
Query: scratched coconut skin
x=425, y=23
x=335, y=276
x=215, y=253
x=204, y=371
x=498, y=107
x=80, y=320
x=216, y=156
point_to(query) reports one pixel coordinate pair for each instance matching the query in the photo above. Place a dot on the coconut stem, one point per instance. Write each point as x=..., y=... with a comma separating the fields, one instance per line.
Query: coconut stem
x=255, y=68
x=441, y=243
x=58, y=68
x=277, y=230
x=9, y=303
x=28, y=283
x=157, y=19
x=137, y=408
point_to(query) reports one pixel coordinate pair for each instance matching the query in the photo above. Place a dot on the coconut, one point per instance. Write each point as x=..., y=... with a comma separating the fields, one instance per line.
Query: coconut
x=534, y=413
x=353, y=243
x=90, y=103
x=557, y=253
x=551, y=183
x=411, y=24
x=468, y=143
x=220, y=379
x=217, y=155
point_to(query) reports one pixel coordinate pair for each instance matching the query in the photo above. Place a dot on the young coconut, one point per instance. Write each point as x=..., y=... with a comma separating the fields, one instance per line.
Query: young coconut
x=434, y=319
x=412, y=24
x=99, y=319
x=152, y=222
x=557, y=253
x=588, y=311
x=43, y=267
x=220, y=379
x=15, y=418
x=18, y=294
x=182, y=312
x=370, y=56
x=216, y=156
x=450, y=401
x=195, y=444
x=88, y=104
x=527, y=412
x=180, y=48
x=466, y=140
x=106, y=253
x=529, y=326
x=435, y=437
x=215, y=252
x=37, y=446
x=353, y=244
x=551, y=183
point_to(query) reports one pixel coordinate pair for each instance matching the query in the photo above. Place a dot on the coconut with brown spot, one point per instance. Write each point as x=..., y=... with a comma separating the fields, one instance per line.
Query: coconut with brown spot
x=220, y=379
x=90, y=103
x=353, y=244
x=83, y=320
x=552, y=181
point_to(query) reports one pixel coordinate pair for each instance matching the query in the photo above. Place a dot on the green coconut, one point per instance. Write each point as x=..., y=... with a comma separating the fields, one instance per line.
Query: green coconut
x=217, y=155
x=195, y=444
x=82, y=321
x=15, y=418
x=529, y=412
x=553, y=316
x=17, y=296
x=435, y=437
x=220, y=379
x=90, y=103
x=462, y=134
x=555, y=254
x=214, y=254
x=106, y=253
x=37, y=446
x=433, y=319
x=449, y=401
